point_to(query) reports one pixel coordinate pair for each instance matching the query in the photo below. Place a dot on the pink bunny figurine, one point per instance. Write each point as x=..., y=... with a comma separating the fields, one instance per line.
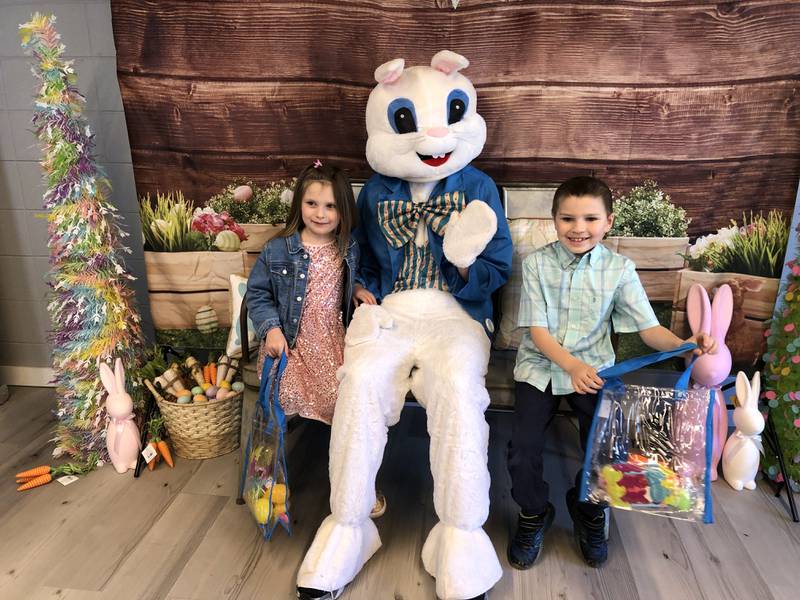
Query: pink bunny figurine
x=740, y=458
x=710, y=370
x=122, y=435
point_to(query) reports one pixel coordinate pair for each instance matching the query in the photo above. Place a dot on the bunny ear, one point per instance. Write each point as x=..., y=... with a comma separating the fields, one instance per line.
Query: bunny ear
x=743, y=391
x=448, y=62
x=698, y=309
x=119, y=373
x=107, y=377
x=755, y=386
x=390, y=72
x=721, y=312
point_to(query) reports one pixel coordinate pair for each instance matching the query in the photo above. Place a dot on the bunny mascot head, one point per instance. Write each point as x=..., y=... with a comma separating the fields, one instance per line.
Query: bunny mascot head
x=434, y=246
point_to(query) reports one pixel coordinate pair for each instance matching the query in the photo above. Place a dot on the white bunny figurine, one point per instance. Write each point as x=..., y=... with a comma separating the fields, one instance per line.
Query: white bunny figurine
x=122, y=435
x=740, y=458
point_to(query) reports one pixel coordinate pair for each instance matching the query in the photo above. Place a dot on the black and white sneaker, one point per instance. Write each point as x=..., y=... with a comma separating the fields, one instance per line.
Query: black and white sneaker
x=312, y=594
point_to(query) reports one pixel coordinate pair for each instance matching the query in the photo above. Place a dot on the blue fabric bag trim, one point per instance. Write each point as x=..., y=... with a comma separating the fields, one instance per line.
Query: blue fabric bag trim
x=612, y=380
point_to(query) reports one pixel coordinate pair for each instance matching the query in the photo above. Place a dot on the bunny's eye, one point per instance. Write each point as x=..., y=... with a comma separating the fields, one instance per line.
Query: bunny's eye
x=401, y=115
x=457, y=103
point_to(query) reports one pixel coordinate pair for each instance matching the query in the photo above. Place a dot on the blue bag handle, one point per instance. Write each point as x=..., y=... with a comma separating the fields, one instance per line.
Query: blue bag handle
x=269, y=387
x=638, y=362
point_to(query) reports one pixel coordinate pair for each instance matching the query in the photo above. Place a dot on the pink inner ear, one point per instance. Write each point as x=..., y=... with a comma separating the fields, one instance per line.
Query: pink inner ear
x=446, y=67
x=391, y=77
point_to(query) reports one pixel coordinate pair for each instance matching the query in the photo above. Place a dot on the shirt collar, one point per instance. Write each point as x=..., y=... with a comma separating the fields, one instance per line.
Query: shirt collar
x=567, y=258
x=293, y=244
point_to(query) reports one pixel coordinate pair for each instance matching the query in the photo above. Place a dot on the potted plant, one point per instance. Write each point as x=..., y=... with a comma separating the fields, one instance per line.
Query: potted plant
x=186, y=272
x=261, y=211
x=749, y=258
x=651, y=231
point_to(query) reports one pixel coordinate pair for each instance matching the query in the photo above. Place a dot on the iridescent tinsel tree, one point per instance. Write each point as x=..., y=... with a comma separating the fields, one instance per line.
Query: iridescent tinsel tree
x=782, y=370
x=91, y=308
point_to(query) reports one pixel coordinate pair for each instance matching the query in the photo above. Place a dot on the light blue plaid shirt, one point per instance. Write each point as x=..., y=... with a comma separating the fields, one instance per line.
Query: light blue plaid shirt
x=576, y=298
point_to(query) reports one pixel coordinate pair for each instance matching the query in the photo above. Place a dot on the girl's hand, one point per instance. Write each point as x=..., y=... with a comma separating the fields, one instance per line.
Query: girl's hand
x=362, y=295
x=584, y=378
x=276, y=343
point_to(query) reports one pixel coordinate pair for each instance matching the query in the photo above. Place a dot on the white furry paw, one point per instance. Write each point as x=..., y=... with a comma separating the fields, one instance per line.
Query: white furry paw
x=368, y=320
x=468, y=233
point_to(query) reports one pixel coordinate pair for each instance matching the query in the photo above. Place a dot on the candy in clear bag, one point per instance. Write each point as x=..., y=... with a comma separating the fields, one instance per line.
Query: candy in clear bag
x=650, y=447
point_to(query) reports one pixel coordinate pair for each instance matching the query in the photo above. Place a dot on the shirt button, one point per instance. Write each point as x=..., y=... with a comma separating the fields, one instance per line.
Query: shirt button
x=302, y=275
x=299, y=298
x=294, y=320
x=305, y=256
x=284, y=271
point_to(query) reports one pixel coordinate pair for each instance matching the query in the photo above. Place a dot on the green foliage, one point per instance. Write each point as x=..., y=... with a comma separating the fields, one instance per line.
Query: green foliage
x=755, y=248
x=646, y=211
x=167, y=224
x=268, y=204
x=192, y=338
x=782, y=378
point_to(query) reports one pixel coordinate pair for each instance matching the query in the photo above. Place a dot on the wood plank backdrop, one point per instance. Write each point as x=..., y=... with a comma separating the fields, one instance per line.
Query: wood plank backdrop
x=701, y=96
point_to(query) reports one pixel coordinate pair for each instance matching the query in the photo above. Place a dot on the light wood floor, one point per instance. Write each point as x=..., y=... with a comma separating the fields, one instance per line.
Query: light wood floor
x=178, y=534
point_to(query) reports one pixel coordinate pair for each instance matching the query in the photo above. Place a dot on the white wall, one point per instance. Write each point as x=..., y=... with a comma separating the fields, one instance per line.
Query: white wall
x=85, y=29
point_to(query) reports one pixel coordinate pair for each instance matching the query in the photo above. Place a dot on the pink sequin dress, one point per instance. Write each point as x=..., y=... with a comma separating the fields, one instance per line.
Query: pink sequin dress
x=309, y=384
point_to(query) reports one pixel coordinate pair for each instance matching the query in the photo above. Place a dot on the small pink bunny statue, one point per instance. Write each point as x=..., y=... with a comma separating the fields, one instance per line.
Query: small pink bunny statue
x=122, y=435
x=710, y=370
x=740, y=458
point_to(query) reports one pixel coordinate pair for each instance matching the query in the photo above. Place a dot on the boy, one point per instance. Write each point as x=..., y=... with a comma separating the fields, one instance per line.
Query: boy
x=573, y=289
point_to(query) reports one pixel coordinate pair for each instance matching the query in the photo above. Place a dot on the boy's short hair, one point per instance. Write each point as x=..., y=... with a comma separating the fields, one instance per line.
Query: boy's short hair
x=583, y=185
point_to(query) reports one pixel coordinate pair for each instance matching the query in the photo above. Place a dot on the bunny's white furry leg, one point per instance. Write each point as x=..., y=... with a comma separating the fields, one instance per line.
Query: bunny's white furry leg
x=468, y=233
x=750, y=485
x=372, y=389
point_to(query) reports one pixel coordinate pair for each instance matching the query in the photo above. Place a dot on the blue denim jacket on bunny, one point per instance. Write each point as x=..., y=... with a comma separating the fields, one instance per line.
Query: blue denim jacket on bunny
x=276, y=288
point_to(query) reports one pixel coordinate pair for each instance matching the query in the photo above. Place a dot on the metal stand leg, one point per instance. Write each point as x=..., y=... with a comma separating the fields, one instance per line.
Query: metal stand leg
x=772, y=439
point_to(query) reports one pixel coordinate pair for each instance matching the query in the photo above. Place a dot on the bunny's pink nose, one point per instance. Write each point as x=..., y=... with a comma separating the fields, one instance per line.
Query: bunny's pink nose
x=437, y=131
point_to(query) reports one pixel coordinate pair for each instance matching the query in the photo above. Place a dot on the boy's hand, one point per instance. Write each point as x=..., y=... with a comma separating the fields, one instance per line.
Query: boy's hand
x=276, y=343
x=705, y=344
x=362, y=295
x=584, y=378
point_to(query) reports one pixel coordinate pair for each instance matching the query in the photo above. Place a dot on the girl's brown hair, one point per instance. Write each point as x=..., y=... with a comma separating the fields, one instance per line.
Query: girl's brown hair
x=342, y=194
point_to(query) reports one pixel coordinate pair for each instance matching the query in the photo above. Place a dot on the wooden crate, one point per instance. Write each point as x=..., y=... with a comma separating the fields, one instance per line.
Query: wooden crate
x=657, y=260
x=257, y=237
x=179, y=283
x=745, y=338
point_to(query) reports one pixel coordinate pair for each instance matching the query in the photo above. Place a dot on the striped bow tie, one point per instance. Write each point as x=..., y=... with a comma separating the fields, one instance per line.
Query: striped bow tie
x=398, y=219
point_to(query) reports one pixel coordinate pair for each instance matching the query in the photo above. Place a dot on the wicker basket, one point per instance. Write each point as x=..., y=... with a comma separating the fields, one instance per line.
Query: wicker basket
x=203, y=430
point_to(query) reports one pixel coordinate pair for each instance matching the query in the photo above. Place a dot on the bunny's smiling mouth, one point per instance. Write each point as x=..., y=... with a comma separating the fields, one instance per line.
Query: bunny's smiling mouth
x=436, y=160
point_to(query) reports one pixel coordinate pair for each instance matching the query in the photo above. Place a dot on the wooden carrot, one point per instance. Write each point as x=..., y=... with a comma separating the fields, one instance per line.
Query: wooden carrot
x=212, y=367
x=152, y=464
x=35, y=472
x=163, y=449
x=207, y=373
x=36, y=482
x=50, y=473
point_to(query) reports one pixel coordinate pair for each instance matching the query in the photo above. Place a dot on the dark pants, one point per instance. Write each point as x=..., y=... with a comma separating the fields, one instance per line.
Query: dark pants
x=533, y=412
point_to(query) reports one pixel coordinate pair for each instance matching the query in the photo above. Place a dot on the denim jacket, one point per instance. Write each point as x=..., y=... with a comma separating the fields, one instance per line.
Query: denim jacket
x=276, y=288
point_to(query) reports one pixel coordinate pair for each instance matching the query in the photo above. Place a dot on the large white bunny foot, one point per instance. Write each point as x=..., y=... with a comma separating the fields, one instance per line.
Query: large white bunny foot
x=464, y=563
x=337, y=554
x=750, y=485
x=468, y=233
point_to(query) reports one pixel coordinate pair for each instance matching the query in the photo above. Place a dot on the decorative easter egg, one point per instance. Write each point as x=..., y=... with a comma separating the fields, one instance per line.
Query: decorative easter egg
x=221, y=394
x=278, y=510
x=226, y=384
x=237, y=386
x=206, y=318
x=279, y=494
x=211, y=391
x=227, y=241
x=184, y=399
x=261, y=509
x=197, y=390
x=243, y=193
x=200, y=398
x=205, y=386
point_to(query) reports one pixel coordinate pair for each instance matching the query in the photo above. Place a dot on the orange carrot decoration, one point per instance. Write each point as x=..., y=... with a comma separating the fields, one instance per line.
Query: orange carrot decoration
x=163, y=449
x=213, y=373
x=35, y=472
x=33, y=478
x=207, y=373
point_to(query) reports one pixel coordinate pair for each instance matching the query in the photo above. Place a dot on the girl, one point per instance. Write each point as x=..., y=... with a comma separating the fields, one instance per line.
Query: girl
x=301, y=292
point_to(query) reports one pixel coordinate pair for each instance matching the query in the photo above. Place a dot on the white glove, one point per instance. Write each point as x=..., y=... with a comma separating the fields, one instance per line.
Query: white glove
x=468, y=233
